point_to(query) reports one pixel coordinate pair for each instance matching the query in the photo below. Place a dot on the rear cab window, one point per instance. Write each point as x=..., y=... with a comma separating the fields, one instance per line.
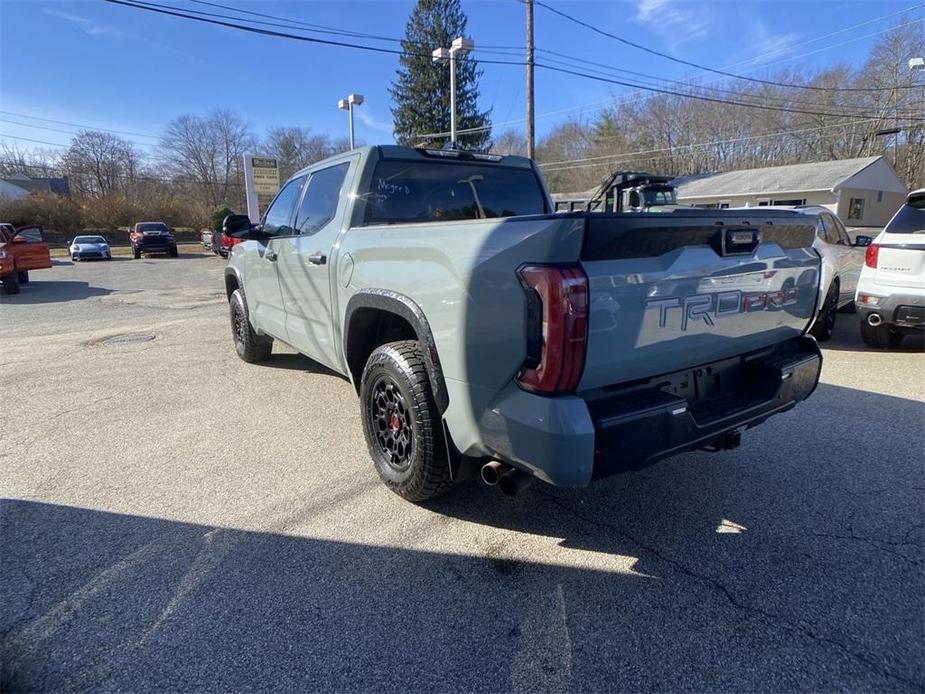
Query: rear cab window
x=405, y=192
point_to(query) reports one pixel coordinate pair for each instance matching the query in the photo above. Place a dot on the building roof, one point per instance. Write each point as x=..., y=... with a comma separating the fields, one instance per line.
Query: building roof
x=11, y=191
x=56, y=185
x=795, y=178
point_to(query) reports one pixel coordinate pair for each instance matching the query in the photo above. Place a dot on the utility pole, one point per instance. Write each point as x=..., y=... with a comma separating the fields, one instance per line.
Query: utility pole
x=531, y=136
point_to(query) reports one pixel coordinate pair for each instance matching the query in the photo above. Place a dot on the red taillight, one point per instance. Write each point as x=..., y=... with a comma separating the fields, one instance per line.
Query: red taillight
x=563, y=312
x=870, y=257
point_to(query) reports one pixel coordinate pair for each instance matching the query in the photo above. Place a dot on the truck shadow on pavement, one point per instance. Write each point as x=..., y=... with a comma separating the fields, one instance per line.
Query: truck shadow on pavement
x=299, y=362
x=54, y=291
x=748, y=570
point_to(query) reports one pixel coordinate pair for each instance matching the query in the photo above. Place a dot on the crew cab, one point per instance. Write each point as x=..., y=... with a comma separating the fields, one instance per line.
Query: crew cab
x=891, y=290
x=21, y=249
x=152, y=237
x=485, y=333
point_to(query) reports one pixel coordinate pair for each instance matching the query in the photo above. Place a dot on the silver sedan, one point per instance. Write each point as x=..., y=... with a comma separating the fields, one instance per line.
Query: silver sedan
x=84, y=247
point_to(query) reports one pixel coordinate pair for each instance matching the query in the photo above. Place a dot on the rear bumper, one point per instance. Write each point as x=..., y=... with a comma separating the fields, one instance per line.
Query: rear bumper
x=570, y=441
x=707, y=407
x=901, y=310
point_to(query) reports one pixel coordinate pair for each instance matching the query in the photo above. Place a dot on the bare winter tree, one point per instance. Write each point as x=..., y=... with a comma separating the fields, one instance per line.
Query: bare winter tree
x=16, y=161
x=297, y=147
x=100, y=164
x=207, y=154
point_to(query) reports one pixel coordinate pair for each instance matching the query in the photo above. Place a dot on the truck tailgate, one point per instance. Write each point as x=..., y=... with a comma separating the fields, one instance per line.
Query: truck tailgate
x=673, y=291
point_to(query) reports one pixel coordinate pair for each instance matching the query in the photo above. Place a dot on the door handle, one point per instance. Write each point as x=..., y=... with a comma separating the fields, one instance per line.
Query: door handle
x=318, y=258
x=270, y=255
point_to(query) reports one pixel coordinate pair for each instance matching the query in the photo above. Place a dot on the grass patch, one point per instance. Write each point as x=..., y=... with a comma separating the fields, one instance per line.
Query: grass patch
x=127, y=250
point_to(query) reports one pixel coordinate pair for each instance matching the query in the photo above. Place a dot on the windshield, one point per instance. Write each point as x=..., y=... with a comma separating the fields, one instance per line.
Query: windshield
x=406, y=191
x=656, y=196
x=151, y=226
x=910, y=219
x=89, y=239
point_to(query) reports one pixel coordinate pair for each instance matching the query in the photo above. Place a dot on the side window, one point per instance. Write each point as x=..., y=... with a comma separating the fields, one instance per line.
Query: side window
x=831, y=234
x=822, y=228
x=30, y=234
x=843, y=238
x=279, y=214
x=319, y=204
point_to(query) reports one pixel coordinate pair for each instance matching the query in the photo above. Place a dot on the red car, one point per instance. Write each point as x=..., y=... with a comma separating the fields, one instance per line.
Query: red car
x=222, y=243
x=21, y=249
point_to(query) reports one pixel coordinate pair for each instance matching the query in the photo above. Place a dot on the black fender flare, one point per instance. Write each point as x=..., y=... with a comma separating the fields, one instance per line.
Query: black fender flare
x=233, y=272
x=404, y=307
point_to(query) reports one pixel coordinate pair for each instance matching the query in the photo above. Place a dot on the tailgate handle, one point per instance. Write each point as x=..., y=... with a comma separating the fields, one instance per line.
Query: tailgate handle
x=737, y=240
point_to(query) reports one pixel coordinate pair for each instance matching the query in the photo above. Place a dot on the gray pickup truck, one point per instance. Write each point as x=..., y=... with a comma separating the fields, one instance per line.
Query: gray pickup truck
x=485, y=334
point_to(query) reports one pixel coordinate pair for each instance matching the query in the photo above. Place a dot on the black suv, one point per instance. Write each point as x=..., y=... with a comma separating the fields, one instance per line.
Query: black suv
x=153, y=237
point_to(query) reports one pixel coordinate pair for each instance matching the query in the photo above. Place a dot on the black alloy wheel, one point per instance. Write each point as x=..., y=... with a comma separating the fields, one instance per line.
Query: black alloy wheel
x=391, y=421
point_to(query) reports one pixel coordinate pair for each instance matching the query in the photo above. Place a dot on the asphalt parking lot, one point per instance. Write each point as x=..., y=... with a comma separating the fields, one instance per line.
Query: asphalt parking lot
x=176, y=519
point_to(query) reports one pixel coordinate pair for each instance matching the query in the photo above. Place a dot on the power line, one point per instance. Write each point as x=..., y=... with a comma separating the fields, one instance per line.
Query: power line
x=168, y=10
x=78, y=125
x=732, y=75
x=564, y=164
x=701, y=97
x=68, y=132
x=320, y=28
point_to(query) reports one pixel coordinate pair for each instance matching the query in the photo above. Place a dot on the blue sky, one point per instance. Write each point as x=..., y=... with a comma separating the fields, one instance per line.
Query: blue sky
x=93, y=63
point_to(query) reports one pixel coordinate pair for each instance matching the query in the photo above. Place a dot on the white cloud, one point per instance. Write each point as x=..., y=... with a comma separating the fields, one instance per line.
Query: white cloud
x=767, y=44
x=371, y=122
x=90, y=26
x=674, y=23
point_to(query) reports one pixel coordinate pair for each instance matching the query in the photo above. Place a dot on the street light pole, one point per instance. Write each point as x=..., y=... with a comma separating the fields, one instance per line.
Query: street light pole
x=460, y=46
x=347, y=105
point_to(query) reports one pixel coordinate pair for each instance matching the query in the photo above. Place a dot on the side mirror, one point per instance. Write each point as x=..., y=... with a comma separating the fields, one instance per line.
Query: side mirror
x=236, y=225
x=862, y=241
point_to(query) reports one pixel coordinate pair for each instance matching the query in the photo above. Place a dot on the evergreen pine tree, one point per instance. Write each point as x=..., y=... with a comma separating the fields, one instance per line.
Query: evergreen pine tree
x=421, y=89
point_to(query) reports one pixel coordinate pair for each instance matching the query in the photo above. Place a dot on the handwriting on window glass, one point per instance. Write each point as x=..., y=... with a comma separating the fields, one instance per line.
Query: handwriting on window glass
x=384, y=186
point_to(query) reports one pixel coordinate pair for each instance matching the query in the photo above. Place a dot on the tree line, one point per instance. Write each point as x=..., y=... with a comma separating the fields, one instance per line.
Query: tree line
x=196, y=167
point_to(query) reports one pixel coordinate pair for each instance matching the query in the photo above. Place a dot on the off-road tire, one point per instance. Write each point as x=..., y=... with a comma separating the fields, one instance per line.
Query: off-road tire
x=825, y=322
x=23, y=276
x=422, y=471
x=11, y=283
x=250, y=346
x=880, y=336
x=136, y=253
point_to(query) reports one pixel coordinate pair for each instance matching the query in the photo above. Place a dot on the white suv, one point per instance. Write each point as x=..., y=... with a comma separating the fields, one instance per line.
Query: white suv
x=891, y=290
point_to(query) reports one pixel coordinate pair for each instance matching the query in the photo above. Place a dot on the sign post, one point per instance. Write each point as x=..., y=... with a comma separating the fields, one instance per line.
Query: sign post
x=261, y=183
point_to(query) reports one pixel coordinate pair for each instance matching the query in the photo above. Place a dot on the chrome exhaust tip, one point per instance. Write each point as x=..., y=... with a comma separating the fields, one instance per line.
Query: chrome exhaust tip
x=492, y=472
x=874, y=319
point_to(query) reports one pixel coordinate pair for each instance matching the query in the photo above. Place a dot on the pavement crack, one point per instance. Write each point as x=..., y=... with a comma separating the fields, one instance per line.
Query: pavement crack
x=779, y=621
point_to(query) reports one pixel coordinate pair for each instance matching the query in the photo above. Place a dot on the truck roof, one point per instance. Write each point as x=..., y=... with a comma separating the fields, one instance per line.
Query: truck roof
x=426, y=153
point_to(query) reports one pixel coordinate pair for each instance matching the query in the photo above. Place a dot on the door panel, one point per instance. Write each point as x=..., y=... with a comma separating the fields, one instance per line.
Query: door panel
x=264, y=300
x=307, y=263
x=31, y=253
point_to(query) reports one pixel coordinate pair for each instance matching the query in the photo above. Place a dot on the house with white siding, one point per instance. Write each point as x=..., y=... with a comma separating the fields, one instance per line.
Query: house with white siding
x=863, y=192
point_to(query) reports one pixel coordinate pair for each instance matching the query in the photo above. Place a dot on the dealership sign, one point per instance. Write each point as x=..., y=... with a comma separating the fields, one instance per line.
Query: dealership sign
x=261, y=183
